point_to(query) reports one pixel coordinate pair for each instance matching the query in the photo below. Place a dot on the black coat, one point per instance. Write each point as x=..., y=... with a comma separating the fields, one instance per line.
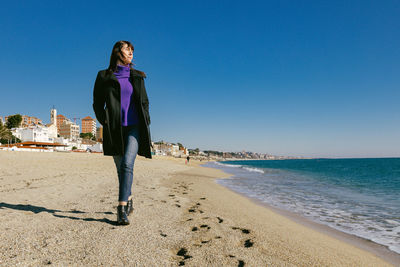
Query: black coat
x=107, y=107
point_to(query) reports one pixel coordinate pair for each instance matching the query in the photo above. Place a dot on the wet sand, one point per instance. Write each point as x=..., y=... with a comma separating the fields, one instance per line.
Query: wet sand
x=60, y=209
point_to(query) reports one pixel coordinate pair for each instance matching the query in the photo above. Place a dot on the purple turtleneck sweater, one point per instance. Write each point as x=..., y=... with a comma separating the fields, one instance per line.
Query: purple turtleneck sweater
x=129, y=114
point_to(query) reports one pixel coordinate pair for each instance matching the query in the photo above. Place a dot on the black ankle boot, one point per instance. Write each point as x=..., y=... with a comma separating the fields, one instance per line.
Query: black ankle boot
x=122, y=218
x=129, y=207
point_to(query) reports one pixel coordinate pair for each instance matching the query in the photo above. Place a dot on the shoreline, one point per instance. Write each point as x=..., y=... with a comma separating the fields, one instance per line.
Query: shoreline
x=370, y=246
x=379, y=250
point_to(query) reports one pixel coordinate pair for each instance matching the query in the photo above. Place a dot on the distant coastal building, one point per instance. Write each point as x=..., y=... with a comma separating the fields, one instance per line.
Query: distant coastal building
x=168, y=149
x=68, y=129
x=36, y=133
x=27, y=121
x=65, y=127
x=53, y=116
x=60, y=120
x=161, y=148
x=1, y=120
x=89, y=125
x=52, y=126
x=30, y=121
x=99, y=134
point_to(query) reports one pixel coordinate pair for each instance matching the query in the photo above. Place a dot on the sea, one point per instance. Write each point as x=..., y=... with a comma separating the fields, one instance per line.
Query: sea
x=356, y=196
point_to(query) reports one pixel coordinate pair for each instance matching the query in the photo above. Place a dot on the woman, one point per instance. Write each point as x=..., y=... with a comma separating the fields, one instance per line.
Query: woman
x=121, y=105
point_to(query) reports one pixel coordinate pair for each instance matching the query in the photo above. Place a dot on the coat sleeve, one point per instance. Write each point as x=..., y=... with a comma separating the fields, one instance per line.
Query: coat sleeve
x=99, y=100
x=145, y=103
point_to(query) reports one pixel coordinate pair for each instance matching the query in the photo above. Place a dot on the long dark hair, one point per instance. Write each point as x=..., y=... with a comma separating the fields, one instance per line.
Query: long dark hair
x=116, y=54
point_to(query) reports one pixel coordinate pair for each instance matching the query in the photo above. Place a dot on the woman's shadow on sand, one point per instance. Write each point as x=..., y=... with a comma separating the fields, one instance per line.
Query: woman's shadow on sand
x=38, y=209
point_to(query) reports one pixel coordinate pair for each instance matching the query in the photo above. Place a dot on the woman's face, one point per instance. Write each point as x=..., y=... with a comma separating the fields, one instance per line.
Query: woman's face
x=126, y=54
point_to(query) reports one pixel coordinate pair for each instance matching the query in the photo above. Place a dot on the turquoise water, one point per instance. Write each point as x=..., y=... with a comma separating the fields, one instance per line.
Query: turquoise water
x=356, y=196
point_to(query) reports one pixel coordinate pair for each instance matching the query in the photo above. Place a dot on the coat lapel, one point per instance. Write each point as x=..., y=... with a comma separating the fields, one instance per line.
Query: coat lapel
x=135, y=79
x=135, y=84
x=111, y=77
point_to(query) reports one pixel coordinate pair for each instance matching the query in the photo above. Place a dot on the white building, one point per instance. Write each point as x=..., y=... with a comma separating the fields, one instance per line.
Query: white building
x=53, y=116
x=39, y=133
x=98, y=147
x=70, y=144
x=52, y=131
x=52, y=126
x=168, y=149
x=34, y=133
x=175, y=151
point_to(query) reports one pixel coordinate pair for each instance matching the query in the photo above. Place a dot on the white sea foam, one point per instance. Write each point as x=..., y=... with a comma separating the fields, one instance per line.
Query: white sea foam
x=240, y=166
x=227, y=165
x=396, y=230
x=393, y=222
x=253, y=169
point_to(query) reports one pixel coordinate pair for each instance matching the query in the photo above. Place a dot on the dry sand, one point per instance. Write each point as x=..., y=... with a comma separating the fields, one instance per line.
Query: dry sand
x=60, y=209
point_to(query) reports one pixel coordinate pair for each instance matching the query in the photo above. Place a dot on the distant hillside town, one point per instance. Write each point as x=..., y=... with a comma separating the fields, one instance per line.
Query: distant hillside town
x=28, y=133
x=163, y=148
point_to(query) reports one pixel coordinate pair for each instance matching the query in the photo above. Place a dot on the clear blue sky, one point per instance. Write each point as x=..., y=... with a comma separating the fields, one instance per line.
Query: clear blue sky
x=301, y=78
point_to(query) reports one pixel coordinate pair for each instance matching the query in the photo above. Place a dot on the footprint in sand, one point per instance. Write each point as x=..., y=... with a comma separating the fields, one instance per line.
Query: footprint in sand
x=195, y=228
x=248, y=243
x=244, y=231
x=183, y=253
x=240, y=262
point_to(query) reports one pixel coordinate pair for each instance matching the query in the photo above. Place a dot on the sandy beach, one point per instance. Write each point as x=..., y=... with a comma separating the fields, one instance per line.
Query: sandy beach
x=60, y=209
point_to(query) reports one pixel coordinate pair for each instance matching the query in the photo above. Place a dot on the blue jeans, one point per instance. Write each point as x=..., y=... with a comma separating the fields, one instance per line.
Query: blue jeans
x=126, y=162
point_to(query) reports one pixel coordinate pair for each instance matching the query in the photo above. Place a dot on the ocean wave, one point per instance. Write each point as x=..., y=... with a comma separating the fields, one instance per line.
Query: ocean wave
x=240, y=166
x=253, y=170
x=227, y=165
x=393, y=222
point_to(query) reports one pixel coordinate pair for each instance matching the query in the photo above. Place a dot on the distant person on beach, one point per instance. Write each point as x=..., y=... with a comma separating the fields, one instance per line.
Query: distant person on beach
x=121, y=105
x=188, y=158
